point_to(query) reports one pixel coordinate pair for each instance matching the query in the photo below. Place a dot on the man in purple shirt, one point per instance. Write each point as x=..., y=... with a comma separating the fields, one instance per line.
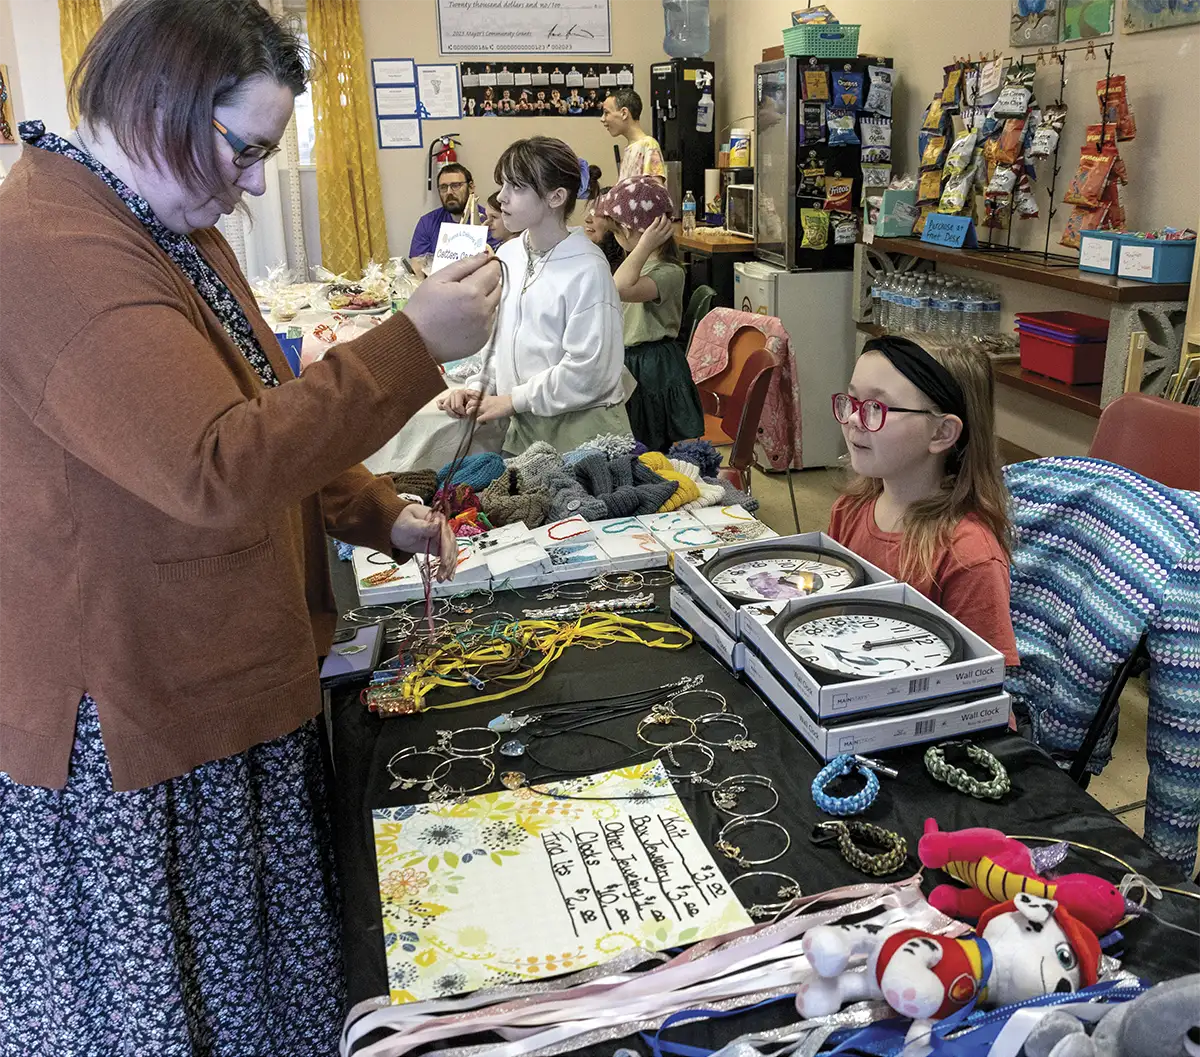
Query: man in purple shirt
x=455, y=187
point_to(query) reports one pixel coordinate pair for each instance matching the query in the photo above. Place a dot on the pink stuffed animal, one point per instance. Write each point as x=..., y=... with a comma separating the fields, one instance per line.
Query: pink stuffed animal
x=997, y=867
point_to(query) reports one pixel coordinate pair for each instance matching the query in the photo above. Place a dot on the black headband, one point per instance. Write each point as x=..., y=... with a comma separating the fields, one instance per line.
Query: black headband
x=926, y=374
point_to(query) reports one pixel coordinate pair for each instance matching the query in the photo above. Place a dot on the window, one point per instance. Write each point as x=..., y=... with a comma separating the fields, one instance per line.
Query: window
x=306, y=132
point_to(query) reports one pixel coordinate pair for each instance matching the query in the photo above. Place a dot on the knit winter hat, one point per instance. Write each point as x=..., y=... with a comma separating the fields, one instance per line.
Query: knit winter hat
x=421, y=483
x=508, y=498
x=605, y=488
x=733, y=496
x=636, y=203
x=536, y=464
x=701, y=452
x=476, y=471
x=710, y=494
x=661, y=465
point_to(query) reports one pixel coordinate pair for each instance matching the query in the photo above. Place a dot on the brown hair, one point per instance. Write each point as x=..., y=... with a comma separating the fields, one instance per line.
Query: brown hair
x=543, y=163
x=450, y=168
x=972, y=484
x=156, y=69
x=627, y=99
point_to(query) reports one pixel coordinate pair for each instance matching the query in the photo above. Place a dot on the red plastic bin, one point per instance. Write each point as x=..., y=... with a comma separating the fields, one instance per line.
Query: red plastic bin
x=1066, y=346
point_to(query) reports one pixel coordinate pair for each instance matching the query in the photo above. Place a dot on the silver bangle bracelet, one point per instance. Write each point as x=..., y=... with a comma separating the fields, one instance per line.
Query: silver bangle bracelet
x=788, y=893
x=737, y=743
x=662, y=719
x=400, y=781
x=695, y=777
x=725, y=794
x=446, y=742
x=734, y=852
x=668, y=706
x=442, y=793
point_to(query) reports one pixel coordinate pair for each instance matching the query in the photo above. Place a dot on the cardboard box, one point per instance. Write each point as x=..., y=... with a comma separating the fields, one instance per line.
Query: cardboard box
x=981, y=668
x=688, y=565
x=629, y=544
x=875, y=734
x=728, y=650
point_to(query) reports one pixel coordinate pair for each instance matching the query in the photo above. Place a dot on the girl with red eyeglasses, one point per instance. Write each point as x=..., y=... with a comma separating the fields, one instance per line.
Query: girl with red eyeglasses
x=927, y=503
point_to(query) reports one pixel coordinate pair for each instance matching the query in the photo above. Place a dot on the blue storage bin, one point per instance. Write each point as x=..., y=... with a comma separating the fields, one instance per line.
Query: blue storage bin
x=1156, y=260
x=1099, y=251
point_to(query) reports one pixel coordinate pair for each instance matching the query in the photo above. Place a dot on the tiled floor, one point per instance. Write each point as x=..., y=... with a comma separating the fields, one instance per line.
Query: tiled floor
x=1123, y=783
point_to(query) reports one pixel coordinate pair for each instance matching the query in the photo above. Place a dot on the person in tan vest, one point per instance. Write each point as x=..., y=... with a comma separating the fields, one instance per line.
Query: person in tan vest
x=166, y=485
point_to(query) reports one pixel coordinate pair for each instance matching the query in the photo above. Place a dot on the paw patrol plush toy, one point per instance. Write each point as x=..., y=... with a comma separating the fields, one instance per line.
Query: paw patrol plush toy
x=1023, y=948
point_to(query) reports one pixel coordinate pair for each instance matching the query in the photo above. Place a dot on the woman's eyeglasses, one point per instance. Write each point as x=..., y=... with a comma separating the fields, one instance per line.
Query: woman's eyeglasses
x=245, y=154
x=871, y=413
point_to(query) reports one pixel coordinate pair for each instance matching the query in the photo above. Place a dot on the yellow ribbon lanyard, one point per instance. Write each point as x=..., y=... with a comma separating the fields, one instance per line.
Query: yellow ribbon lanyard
x=546, y=637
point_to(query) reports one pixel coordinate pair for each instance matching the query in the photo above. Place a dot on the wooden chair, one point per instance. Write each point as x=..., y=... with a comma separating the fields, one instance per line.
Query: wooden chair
x=1159, y=439
x=733, y=405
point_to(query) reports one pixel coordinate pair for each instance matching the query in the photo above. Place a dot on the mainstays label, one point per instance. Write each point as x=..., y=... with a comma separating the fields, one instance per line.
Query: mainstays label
x=456, y=241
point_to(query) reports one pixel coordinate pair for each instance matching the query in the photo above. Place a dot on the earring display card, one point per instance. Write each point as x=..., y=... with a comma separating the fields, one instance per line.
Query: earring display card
x=494, y=890
x=491, y=89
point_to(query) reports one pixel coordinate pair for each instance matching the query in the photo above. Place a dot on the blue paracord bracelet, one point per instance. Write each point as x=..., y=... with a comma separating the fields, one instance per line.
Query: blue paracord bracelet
x=846, y=805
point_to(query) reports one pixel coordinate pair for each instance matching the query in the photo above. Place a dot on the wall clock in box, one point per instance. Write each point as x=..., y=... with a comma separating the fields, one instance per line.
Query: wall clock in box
x=864, y=639
x=767, y=574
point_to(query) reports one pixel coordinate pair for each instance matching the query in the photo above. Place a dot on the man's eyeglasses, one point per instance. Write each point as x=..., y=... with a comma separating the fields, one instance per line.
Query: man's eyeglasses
x=443, y=188
x=871, y=413
x=245, y=154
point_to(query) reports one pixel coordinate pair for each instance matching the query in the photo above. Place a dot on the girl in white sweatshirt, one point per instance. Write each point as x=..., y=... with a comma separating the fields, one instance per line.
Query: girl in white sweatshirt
x=555, y=365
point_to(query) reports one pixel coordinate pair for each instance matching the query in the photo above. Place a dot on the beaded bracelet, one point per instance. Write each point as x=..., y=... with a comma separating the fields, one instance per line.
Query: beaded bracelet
x=957, y=778
x=885, y=862
x=848, y=805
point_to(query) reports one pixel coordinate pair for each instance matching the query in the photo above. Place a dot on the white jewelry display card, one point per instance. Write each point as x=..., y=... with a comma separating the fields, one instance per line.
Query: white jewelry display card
x=518, y=885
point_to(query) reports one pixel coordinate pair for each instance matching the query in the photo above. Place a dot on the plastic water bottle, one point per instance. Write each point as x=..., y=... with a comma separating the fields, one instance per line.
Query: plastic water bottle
x=877, y=301
x=686, y=28
x=924, y=297
x=689, y=213
x=972, y=304
x=945, y=308
x=991, y=311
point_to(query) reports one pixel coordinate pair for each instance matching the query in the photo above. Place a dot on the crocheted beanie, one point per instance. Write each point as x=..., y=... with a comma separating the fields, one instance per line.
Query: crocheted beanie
x=687, y=492
x=477, y=471
x=536, y=464
x=733, y=496
x=454, y=499
x=700, y=452
x=710, y=494
x=509, y=498
x=421, y=483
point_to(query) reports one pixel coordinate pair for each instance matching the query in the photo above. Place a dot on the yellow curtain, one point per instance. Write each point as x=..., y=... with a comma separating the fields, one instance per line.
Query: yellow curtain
x=349, y=198
x=78, y=21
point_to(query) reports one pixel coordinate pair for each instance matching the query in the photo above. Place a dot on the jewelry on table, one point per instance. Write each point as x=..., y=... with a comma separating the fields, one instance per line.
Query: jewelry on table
x=626, y=581
x=572, y=611
x=442, y=771
x=446, y=742
x=624, y=525
x=787, y=893
x=689, y=528
x=384, y=559
x=570, y=535
x=389, y=699
x=570, y=589
x=668, y=707
x=957, y=777
x=727, y=511
x=662, y=719
x=695, y=777
x=404, y=781
x=632, y=753
x=739, y=533
x=635, y=699
x=370, y=614
x=726, y=792
x=461, y=603
x=654, y=578
x=895, y=849
x=843, y=765
x=736, y=742
x=734, y=851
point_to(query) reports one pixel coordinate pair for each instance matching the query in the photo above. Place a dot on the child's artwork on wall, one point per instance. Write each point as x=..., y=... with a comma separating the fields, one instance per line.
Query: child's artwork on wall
x=1034, y=22
x=549, y=89
x=1087, y=19
x=1141, y=15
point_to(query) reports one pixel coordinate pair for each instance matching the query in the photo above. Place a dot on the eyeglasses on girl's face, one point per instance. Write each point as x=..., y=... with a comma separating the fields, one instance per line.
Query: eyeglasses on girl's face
x=871, y=413
x=245, y=155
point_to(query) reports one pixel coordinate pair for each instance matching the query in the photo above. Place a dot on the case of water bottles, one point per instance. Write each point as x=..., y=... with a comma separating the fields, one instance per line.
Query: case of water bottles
x=942, y=306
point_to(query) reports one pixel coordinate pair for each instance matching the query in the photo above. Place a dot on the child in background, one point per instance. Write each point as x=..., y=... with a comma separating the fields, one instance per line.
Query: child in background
x=599, y=230
x=555, y=362
x=495, y=223
x=928, y=505
x=665, y=407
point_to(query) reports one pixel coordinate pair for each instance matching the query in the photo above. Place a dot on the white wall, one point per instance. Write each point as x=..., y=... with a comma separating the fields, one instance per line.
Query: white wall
x=29, y=47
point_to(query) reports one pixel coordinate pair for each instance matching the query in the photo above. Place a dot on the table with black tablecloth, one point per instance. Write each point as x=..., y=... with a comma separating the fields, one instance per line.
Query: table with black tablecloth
x=1042, y=802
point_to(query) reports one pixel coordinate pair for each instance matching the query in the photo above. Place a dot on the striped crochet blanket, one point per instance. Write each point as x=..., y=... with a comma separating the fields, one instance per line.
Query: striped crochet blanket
x=1104, y=556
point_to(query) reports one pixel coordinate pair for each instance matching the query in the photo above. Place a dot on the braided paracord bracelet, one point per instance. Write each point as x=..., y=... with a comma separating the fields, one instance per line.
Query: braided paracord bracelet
x=957, y=778
x=846, y=805
x=844, y=833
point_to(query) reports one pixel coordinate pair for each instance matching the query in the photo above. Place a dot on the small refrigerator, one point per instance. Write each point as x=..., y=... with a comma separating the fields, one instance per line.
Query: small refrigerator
x=814, y=308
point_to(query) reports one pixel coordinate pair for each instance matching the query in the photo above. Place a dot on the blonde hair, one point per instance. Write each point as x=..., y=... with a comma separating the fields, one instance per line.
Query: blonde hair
x=972, y=483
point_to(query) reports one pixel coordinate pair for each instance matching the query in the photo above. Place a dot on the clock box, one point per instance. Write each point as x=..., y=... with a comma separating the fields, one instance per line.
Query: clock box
x=871, y=733
x=924, y=653
x=777, y=555
x=686, y=610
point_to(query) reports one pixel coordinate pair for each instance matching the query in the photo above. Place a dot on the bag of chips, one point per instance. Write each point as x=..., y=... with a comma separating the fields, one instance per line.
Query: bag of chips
x=933, y=115
x=1010, y=140
x=879, y=97
x=813, y=128
x=1049, y=128
x=876, y=175
x=1025, y=199
x=814, y=83
x=952, y=88
x=839, y=194
x=925, y=213
x=1003, y=181
x=1012, y=102
x=1083, y=219
x=957, y=192
x=812, y=182
x=1114, y=106
x=962, y=153
x=815, y=225
x=877, y=155
x=845, y=230
x=841, y=127
x=875, y=131
x=929, y=185
x=848, y=89
x=934, y=152
x=1087, y=185
x=996, y=212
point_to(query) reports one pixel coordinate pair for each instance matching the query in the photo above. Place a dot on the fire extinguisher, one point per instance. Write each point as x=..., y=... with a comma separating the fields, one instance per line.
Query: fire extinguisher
x=441, y=154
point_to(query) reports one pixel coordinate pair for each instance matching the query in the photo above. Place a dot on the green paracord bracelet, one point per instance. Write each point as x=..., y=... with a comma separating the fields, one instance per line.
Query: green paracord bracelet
x=844, y=833
x=957, y=778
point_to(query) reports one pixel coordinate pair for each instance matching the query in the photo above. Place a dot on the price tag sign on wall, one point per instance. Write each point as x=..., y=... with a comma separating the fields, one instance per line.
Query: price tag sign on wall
x=955, y=232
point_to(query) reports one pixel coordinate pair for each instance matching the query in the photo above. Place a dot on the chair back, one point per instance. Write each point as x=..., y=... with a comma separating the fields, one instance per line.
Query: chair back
x=1157, y=438
x=733, y=400
x=698, y=307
